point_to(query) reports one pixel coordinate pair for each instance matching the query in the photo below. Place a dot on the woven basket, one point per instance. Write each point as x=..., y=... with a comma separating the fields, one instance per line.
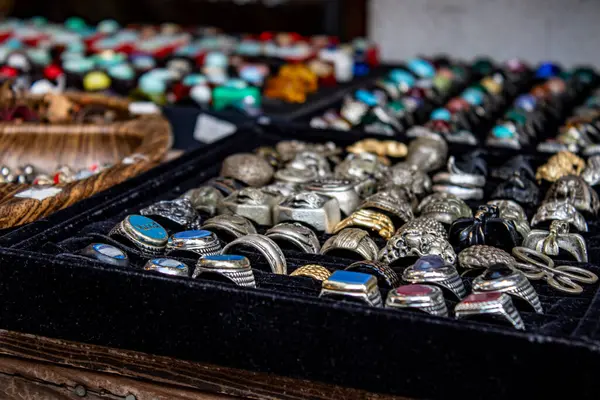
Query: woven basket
x=78, y=145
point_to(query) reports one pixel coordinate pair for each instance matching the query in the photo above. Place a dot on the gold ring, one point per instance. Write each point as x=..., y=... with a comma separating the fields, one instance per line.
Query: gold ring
x=561, y=164
x=314, y=271
x=373, y=220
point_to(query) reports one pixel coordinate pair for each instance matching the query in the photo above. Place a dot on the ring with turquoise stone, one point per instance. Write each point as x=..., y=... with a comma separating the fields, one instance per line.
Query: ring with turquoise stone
x=167, y=266
x=142, y=232
x=106, y=253
x=233, y=267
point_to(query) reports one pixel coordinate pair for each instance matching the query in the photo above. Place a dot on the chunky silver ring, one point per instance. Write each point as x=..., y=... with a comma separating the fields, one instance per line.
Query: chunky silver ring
x=179, y=211
x=483, y=256
x=311, y=160
x=229, y=226
x=295, y=175
x=204, y=198
x=591, y=173
x=574, y=190
x=199, y=242
x=250, y=203
x=490, y=304
x=444, y=207
x=315, y=210
x=455, y=177
x=341, y=189
x=426, y=298
x=391, y=205
x=435, y=271
x=503, y=278
x=462, y=193
x=351, y=241
x=106, y=253
x=352, y=286
x=267, y=247
x=387, y=278
x=424, y=225
x=248, y=168
x=361, y=167
x=167, y=266
x=233, y=267
x=416, y=244
x=562, y=211
x=297, y=235
x=281, y=189
x=557, y=238
x=410, y=177
x=428, y=153
x=143, y=233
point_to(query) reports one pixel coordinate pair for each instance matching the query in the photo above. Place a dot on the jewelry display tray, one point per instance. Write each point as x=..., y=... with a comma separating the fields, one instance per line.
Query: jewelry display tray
x=282, y=327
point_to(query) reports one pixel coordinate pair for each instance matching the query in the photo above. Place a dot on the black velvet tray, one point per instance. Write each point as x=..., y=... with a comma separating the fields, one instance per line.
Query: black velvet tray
x=282, y=327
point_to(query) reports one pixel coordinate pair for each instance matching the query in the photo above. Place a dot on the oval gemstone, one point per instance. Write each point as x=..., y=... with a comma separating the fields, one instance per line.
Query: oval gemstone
x=110, y=251
x=429, y=262
x=147, y=226
x=497, y=271
x=414, y=290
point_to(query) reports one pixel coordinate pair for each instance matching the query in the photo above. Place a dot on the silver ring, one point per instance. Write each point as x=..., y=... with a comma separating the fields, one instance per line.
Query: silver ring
x=591, y=173
x=444, y=207
x=352, y=285
x=248, y=168
x=297, y=235
x=410, y=177
x=560, y=210
x=456, y=177
x=426, y=298
x=389, y=203
x=295, y=175
x=315, y=210
x=267, y=247
x=361, y=167
x=142, y=232
x=204, y=198
x=503, y=278
x=341, y=189
x=428, y=153
x=387, y=278
x=483, y=256
x=574, y=190
x=179, y=211
x=460, y=192
x=352, y=240
x=313, y=161
x=200, y=242
x=250, y=203
x=435, y=270
x=233, y=267
x=558, y=237
x=424, y=225
x=106, y=253
x=489, y=304
x=229, y=226
x=281, y=189
x=416, y=244
x=512, y=211
x=167, y=266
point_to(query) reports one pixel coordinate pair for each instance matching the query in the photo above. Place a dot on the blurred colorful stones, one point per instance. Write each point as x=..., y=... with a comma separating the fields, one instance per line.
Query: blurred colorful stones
x=421, y=68
x=96, y=81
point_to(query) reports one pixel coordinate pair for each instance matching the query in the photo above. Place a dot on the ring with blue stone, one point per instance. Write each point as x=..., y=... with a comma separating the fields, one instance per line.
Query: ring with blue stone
x=167, y=266
x=503, y=278
x=432, y=269
x=199, y=242
x=142, y=232
x=231, y=266
x=347, y=285
x=426, y=298
x=106, y=253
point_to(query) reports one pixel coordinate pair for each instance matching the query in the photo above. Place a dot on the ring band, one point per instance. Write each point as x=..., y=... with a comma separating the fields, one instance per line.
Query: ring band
x=369, y=219
x=199, y=242
x=267, y=247
x=491, y=304
x=295, y=234
x=314, y=271
x=233, y=267
x=229, y=226
x=352, y=240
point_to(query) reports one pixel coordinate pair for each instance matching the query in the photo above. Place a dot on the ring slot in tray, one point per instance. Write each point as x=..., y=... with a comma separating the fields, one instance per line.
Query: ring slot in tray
x=281, y=327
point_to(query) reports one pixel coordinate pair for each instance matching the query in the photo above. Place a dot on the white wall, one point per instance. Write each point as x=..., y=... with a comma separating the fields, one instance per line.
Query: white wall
x=535, y=30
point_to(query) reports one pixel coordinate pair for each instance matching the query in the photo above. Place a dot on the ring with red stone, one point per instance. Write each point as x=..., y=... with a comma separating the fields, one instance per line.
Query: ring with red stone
x=426, y=298
x=496, y=305
x=432, y=269
x=503, y=278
